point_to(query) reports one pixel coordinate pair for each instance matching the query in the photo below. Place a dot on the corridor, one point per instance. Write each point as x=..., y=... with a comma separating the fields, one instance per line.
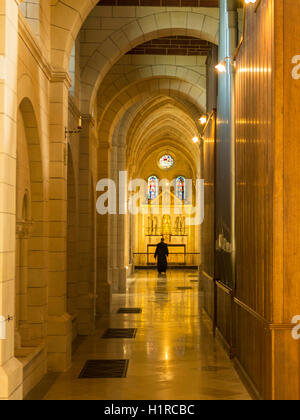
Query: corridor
x=128, y=124
x=174, y=355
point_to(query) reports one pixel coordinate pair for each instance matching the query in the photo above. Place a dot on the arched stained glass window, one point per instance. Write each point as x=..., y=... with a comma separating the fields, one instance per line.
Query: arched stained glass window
x=153, y=187
x=180, y=188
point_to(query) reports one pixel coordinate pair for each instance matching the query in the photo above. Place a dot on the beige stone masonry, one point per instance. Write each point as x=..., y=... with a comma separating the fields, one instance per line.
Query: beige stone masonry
x=10, y=368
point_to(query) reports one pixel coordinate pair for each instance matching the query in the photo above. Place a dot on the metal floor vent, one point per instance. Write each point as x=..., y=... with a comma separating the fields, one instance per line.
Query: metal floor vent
x=184, y=288
x=130, y=311
x=120, y=333
x=97, y=369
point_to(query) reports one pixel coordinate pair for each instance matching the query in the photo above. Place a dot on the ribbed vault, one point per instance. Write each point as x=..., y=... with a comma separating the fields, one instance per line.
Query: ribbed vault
x=149, y=115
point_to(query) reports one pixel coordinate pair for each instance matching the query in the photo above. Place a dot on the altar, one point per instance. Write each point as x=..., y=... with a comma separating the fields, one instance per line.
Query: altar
x=171, y=223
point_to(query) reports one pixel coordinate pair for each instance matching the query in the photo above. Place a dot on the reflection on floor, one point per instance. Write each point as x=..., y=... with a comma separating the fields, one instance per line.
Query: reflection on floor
x=173, y=356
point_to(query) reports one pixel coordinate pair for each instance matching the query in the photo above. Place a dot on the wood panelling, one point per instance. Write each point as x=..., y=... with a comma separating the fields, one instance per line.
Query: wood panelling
x=224, y=314
x=291, y=160
x=253, y=351
x=207, y=285
x=255, y=317
x=254, y=156
x=268, y=200
x=254, y=196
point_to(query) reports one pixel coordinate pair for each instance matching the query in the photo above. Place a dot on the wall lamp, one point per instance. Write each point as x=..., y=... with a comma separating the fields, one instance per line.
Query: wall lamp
x=203, y=120
x=79, y=128
x=222, y=66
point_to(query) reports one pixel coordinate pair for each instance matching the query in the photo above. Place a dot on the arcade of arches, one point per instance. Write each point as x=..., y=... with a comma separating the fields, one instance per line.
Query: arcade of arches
x=93, y=90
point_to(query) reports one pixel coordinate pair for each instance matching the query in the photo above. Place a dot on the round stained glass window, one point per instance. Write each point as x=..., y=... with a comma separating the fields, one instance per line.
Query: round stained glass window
x=166, y=162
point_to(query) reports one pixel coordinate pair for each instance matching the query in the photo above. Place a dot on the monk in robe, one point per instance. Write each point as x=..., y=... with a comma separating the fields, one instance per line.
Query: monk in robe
x=161, y=254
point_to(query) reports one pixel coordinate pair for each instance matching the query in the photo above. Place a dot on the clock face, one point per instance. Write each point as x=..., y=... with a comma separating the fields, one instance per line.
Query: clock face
x=166, y=162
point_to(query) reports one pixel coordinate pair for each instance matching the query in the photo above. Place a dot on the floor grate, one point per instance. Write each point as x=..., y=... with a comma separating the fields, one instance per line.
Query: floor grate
x=129, y=311
x=120, y=333
x=184, y=288
x=97, y=369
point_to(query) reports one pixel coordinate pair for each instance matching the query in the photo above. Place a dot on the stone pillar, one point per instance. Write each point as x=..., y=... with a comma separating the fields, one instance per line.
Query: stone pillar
x=121, y=225
x=59, y=321
x=103, y=284
x=117, y=271
x=10, y=368
x=21, y=322
x=86, y=317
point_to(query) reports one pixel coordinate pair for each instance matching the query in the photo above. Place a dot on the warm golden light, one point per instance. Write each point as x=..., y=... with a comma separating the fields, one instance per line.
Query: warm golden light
x=203, y=120
x=80, y=123
x=221, y=67
x=196, y=139
x=250, y=1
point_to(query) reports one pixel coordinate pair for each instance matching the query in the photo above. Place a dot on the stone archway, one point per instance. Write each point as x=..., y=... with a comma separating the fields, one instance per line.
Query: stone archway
x=67, y=19
x=31, y=259
x=138, y=30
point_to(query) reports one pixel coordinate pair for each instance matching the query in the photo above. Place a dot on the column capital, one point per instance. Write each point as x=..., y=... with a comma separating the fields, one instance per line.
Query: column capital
x=61, y=76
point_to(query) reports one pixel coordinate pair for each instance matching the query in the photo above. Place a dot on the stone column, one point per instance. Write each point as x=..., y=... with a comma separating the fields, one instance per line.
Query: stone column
x=86, y=243
x=59, y=321
x=21, y=323
x=103, y=284
x=10, y=368
x=117, y=271
x=121, y=224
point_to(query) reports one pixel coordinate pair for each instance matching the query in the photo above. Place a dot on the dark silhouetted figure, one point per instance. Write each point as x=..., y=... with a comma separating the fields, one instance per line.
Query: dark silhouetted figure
x=161, y=254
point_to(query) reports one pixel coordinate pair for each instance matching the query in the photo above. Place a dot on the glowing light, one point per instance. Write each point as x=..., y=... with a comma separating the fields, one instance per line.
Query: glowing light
x=221, y=67
x=80, y=123
x=203, y=120
x=250, y=1
x=196, y=139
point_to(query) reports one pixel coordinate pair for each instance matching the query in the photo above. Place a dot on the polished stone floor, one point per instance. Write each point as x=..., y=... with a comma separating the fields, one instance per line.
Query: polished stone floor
x=174, y=355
